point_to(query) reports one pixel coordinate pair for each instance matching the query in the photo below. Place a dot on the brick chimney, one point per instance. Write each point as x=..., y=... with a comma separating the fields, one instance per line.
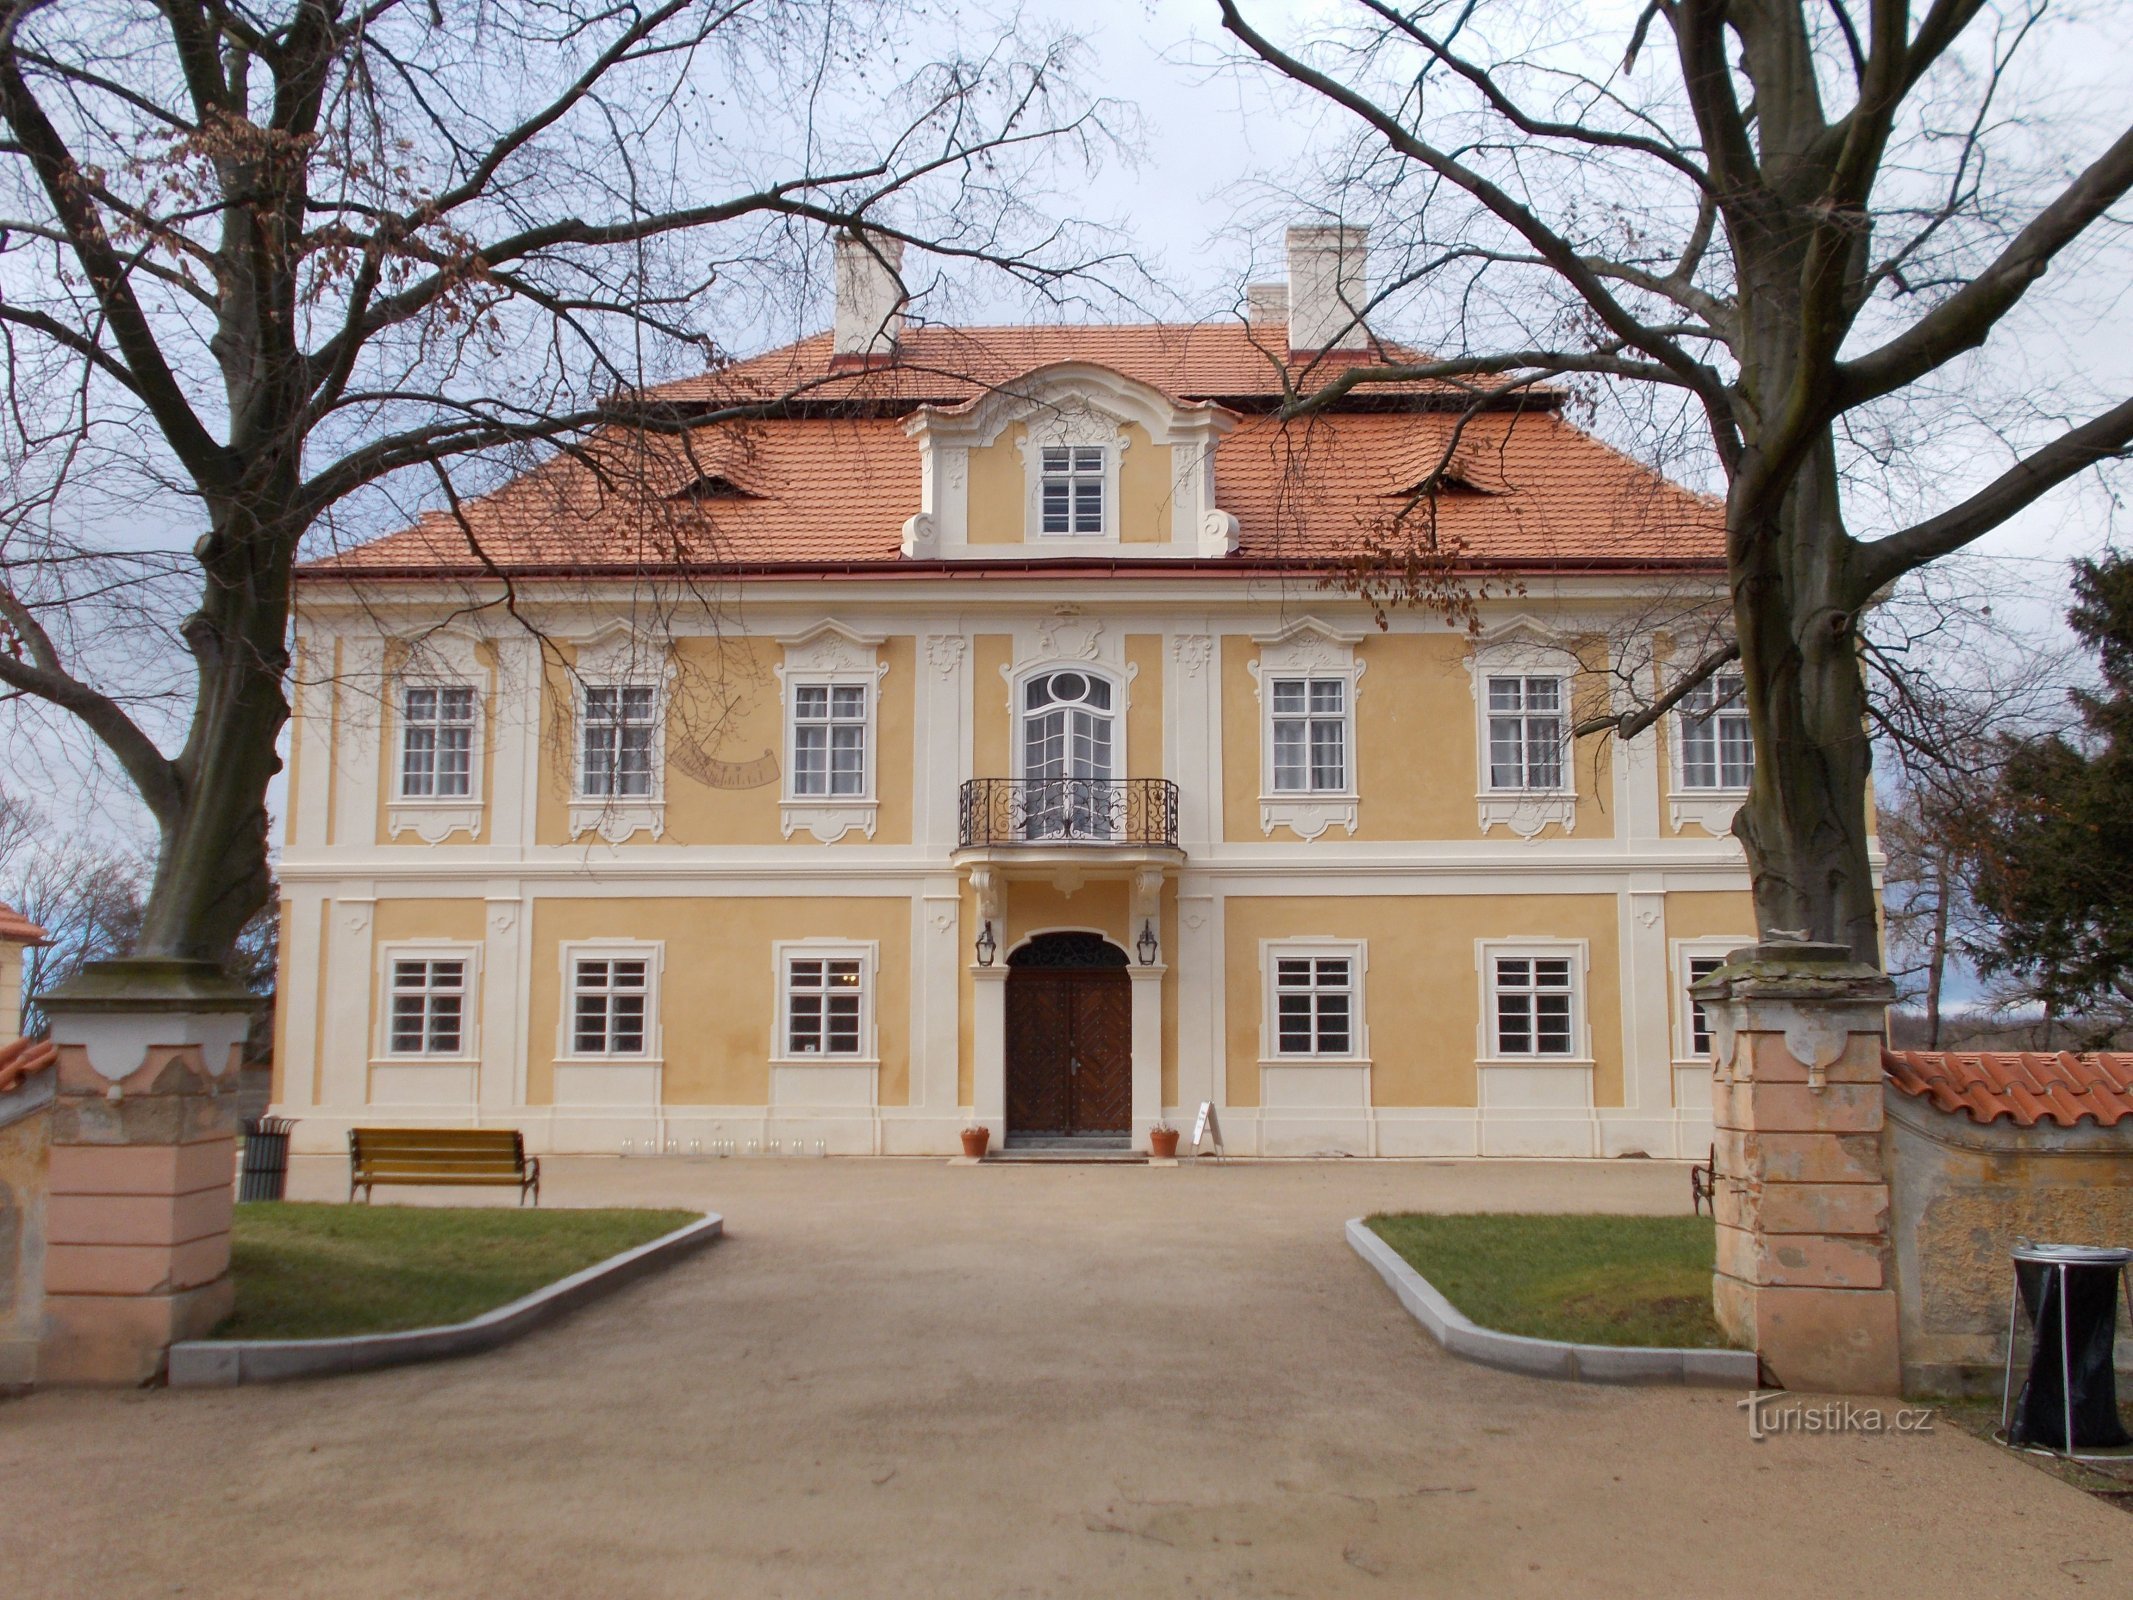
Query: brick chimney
x=1328, y=289
x=870, y=296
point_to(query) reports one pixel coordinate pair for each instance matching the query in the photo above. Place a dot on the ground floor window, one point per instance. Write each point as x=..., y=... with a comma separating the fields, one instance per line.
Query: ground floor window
x=1695, y=960
x=1314, y=999
x=613, y=1001
x=1534, y=1006
x=426, y=1002
x=826, y=1000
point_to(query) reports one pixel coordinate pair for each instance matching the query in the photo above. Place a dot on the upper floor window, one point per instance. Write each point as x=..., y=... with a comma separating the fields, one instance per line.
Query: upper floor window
x=436, y=742
x=829, y=740
x=1526, y=733
x=617, y=741
x=1717, y=750
x=1071, y=489
x=1310, y=735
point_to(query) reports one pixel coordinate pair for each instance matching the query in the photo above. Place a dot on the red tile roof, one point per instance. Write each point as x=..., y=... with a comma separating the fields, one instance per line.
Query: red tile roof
x=17, y=928
x=829, y=480
x=2028, y=1086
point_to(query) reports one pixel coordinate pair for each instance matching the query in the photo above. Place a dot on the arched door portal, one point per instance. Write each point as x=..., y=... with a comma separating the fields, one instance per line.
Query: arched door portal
x=1069, y=1039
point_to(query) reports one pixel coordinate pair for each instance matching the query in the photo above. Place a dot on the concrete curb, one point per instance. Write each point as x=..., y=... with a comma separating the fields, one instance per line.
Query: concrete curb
x=225, y=1363
x=1546, y=1358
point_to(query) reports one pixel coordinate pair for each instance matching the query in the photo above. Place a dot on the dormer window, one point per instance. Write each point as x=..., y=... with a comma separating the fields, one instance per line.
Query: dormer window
x=1072, y=489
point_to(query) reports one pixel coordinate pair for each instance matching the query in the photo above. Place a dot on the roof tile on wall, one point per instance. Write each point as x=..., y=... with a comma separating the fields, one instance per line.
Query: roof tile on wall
x=2029, y=1086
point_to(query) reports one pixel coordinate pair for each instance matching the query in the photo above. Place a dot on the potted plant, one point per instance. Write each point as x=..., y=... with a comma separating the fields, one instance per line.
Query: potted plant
x=1163, y=1142
x=974, y=1141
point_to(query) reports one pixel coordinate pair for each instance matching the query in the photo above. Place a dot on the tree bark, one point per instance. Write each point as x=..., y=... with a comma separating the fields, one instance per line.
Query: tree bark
x=1937, y=951
x=1804, y=826
x=212, y=871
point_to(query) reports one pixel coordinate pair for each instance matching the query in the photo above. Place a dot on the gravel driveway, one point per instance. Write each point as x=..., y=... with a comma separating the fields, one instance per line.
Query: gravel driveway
x=902, y=1378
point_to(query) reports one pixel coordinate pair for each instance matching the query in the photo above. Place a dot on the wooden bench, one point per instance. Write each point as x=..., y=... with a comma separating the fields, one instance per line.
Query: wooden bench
x=1703, y=1182
x=455, y=1156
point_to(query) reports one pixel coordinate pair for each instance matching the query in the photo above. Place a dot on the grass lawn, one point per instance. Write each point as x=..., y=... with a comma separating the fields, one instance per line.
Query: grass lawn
x=317, y=1271
x=1592, y=1280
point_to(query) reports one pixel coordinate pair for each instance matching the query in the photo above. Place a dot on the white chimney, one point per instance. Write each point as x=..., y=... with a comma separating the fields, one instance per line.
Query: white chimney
x=1328, y=288
x=870, y=295
x=1266, y=304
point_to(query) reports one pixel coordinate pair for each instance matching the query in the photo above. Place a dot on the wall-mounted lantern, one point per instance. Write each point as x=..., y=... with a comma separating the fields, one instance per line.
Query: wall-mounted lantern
x=1146, y=944
x=988, y=946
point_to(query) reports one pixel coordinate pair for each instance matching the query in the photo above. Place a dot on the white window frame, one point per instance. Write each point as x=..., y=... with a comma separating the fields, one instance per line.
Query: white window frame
x=389, y=955
x=786, y=951
x=653, y=952
x=1710, y=807
x=1524, y=649
x=445, y=658
x=831, y=656
x=1487, y=952
x=1356, y=952
x=616, y=817
x=1070, y=423
x=1683, y=952
x=1311, y=651
x=1074, y=473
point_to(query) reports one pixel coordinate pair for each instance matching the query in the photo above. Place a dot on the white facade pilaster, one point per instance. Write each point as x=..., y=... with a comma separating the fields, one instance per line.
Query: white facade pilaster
x=300, y=1000
x=988, y=1048
x=501, y=1089
x=344, y=1075
x=1147, y=1049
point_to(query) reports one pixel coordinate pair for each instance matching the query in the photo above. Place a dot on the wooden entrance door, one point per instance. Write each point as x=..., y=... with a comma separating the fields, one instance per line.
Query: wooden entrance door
x=1070, y=1043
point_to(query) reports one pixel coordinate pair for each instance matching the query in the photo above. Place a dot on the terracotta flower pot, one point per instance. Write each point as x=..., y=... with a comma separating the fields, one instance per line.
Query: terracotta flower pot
x=975, y=1140
x=1163, y=1143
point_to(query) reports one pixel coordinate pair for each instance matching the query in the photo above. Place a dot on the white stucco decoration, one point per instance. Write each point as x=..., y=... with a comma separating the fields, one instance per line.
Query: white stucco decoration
x=1318, y=649
x=439, y=657
x=621, y=654
x=830, y=652
x=1066, y=403
x=1523, y=646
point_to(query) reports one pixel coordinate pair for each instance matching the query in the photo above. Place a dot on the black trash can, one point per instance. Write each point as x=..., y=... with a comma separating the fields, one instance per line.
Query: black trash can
x=2069, y=1400
x=265, y=1175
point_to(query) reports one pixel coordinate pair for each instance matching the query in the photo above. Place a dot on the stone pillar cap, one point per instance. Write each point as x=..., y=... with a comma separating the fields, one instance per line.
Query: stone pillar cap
x=146, y=983
x=1804, y=969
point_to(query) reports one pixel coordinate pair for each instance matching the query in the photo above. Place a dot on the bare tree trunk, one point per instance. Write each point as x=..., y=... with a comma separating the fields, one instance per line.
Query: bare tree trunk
x=212, y=872
x=1804, y=825
x=1937, y=952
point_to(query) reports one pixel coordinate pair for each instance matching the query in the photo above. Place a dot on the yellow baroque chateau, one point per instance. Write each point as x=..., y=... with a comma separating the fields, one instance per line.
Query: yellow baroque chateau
x=974, y=739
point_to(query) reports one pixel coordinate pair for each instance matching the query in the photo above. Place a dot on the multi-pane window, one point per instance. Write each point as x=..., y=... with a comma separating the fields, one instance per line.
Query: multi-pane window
x=1535, y=1005
x=436, y=742
x=1717, y=750
x=1072, y=488
x=1698, y=969
x=429, y=1007
x=1310, y=735
x=1526, y=733
x=822, y=1006
x=1314, y=1005
x=610, y=1004
x=620, y=720
x=829, y=741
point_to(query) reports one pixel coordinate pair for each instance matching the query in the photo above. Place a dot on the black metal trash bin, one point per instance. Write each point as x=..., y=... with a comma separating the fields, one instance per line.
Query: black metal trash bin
x=265, y=1175
x=2069, y=1401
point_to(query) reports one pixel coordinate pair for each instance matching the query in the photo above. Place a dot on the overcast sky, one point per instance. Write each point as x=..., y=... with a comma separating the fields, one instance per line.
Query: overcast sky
x=1209, y=134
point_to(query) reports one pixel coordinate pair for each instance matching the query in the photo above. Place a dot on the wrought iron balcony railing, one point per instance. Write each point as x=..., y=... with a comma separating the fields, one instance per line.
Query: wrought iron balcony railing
x=1116, y=811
